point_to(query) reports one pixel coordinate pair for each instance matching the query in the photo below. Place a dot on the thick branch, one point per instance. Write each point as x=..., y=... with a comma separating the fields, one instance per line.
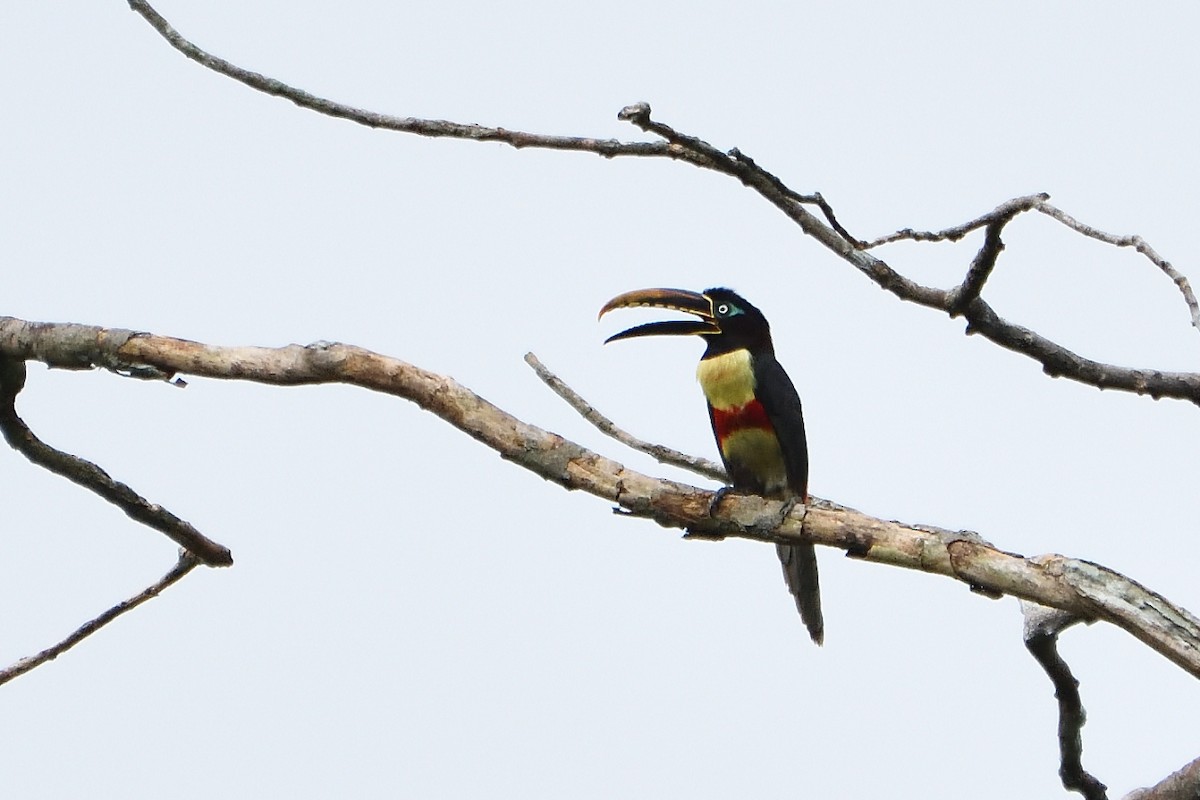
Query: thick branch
x=187, y=562
x=1078, y=587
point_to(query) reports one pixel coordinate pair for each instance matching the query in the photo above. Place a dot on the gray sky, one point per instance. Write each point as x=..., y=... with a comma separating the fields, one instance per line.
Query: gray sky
x=409, y=616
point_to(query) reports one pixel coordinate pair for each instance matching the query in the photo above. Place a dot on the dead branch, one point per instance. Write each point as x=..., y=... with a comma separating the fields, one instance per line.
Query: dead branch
x=664, y=455
x=1042, y=628
x=187, y=562
x=90, y=476
x=1004, y=210
x=964, y=300
x=1137, y=243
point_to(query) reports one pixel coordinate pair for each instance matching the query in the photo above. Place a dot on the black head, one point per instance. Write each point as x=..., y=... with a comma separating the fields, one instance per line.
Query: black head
x=742, y=325
x=727, y=320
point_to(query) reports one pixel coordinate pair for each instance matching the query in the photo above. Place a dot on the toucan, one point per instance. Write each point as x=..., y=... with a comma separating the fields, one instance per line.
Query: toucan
x=754, y=410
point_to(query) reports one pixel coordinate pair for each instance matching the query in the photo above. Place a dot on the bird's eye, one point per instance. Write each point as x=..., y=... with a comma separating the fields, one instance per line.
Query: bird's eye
x=723, y=309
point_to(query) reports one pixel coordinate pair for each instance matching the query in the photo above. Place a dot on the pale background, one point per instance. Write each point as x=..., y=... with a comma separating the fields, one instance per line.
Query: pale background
x=409, y=616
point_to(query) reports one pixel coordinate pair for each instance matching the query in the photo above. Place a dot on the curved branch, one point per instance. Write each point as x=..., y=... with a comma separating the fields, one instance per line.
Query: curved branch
x=421, y=127
x=1004, y=210
x=1137, y=243
x=186, y=563
x=1042, y=627
x=88, y=475
x=1056, y=360
x=960, y=298
x=1085, y=590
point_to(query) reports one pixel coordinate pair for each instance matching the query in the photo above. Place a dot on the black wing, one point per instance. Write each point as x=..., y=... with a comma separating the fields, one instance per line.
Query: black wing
x=780, y=400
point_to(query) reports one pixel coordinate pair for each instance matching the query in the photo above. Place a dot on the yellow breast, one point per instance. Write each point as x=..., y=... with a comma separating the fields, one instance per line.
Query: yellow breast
x=756, y=452
x=727, y=379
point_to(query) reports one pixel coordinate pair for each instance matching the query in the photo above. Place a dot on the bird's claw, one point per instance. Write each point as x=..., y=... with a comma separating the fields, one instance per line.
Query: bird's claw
x=788, y=505
x=717, y=497
x=713, y=504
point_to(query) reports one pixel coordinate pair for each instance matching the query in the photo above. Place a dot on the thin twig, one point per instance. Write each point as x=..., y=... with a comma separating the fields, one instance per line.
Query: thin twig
x=639, y=115
x=187, y=562
x=1008, y=209
x=1042, y=627
x=90, y=476
x=1137, y=243
x=814, y=199
x=664, y=455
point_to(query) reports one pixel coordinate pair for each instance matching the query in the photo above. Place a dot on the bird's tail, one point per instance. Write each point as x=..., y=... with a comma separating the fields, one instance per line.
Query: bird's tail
x=800, y=571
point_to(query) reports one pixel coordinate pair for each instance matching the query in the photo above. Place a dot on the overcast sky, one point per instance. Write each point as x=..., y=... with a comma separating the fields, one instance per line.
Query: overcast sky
x=410, y=616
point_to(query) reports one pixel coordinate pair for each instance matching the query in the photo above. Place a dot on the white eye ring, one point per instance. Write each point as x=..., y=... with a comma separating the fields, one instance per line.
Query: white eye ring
x=723, y=309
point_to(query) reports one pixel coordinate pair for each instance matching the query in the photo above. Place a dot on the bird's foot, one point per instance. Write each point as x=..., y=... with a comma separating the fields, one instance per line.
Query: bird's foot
x=713, y=504
x=717, y=497
x=784, y=512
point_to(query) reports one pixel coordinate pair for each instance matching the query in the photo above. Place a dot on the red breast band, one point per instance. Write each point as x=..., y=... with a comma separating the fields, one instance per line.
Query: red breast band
x=740, y=418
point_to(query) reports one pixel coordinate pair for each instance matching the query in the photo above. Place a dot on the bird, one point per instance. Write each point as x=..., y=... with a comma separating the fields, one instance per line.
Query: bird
x=754, y=410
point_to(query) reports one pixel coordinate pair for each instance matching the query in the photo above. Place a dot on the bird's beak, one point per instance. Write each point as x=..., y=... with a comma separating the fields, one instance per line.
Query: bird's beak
x=673, y=299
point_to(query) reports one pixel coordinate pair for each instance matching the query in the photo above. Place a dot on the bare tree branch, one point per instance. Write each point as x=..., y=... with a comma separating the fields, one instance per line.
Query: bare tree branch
x=734, y=163
x=1137, y=243
x=1042, y=627
x=1056, y=360
x=664, y=455
x=90, y=476
x=1005, y=210
x=421, y=127
x=187, y=562
x=1085, y=590
x=1039, y=202
x=815, y=198
x=962, y=296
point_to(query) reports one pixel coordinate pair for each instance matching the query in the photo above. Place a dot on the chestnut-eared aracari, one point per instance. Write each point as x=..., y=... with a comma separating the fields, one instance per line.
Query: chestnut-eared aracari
x=754, y=410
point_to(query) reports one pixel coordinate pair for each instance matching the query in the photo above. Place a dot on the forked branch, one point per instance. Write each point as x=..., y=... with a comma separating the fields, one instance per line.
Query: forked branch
x=963, y=300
